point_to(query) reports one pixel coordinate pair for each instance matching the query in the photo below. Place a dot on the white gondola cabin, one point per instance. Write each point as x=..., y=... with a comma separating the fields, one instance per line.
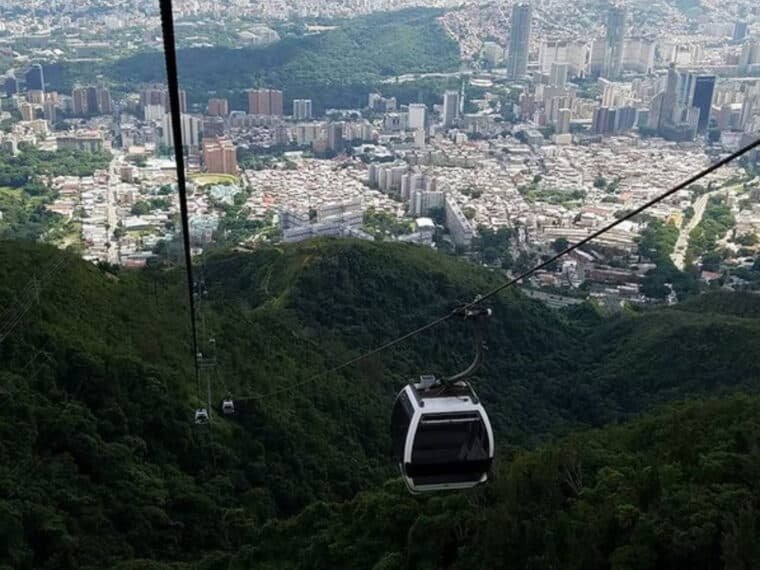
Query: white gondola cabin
x=228, y=407
x=441, y=435
x=201, y=416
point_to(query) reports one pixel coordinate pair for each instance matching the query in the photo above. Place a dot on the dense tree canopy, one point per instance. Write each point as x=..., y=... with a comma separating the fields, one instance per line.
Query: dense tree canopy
x=102, y=464
x=336, y=68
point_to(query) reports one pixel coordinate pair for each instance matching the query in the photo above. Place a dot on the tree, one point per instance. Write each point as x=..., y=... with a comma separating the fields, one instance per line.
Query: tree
x=560, y=244
x=524, y=261
x=140, y=208
x=746, y=239
x=600, y=182
x=711, y=261
x=490, y=254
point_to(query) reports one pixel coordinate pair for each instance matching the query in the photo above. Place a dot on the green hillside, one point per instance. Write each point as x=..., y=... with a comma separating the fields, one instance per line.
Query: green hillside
x=336, y=68
x=102, y=463
x=677, y=489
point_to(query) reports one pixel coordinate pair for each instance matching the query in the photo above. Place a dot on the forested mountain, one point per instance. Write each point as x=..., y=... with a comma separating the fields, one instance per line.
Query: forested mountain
x=102, y=464
x=335, y=68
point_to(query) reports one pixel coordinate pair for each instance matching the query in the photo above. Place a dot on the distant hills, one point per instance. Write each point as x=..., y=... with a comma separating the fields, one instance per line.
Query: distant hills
x=102, y=464
x=336, y=68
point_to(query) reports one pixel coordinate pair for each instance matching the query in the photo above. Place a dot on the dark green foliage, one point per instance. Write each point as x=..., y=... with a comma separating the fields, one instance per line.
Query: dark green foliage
x=101, y=463
x=717, y=220
x=492, y=245
x=24, y=191
x=746, y=239
x=560, y=244
x=32, y=163
x=656, y=243
x=383, y=225
x=140, y=208
x=678, y=489
x=336, y=68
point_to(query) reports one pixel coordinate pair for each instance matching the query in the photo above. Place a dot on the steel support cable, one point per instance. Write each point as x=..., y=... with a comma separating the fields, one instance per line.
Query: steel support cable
x=496, y=290
x=688, y=182
x=28, y=295
x=170, y=55
x=35, y=286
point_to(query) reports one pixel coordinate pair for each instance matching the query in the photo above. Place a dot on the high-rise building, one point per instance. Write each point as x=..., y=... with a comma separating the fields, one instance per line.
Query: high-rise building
x=302, y=109
x=695, y=90
x=49, y=110
x=275, y=102
x=740, y=31
x=750, y=56
x=450, y=108
x=613, y=63
x=11, y=85
x=573, y=53
x=417, y=112
x=103, y=96
x=307, y=133
x=563, y=121
x=676, y=121
x=34, y=77
x=27, y=111
x=625, y=119
x=670, y=97
x=655, y=111
x=265, y=102
x=154, y=96
x=92, y=100
x=258, y=102
x=610, y=120
x=558, y=74
x=597, y=57
x=603, y=121
x=191, y=131
x=519, y=39
x=86, y=142
x=750, y=104
x=638, y=54
x=419, y=138
x=701, y=98
x=458, y=225
x=154, y=113
x=335, y=136
x=217, y=107
x=35, y=96
x=160, y=96
x=79, y=101
x=219, y=156
x=212, y=127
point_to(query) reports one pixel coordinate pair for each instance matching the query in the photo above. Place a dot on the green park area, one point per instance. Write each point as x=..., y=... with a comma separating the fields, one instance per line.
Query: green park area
x=211, y=179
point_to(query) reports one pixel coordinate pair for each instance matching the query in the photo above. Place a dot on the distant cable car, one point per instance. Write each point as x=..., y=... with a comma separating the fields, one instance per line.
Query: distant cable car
x=201, y=416
x=441, y=434
x=228, y=406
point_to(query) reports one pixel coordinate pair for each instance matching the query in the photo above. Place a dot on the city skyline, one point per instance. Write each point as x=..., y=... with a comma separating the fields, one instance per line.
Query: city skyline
x=496, y=145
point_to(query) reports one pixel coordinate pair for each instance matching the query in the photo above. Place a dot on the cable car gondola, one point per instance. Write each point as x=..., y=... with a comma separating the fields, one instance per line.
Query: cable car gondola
x=201, y=416
x=228, y=406
x=442, y=437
